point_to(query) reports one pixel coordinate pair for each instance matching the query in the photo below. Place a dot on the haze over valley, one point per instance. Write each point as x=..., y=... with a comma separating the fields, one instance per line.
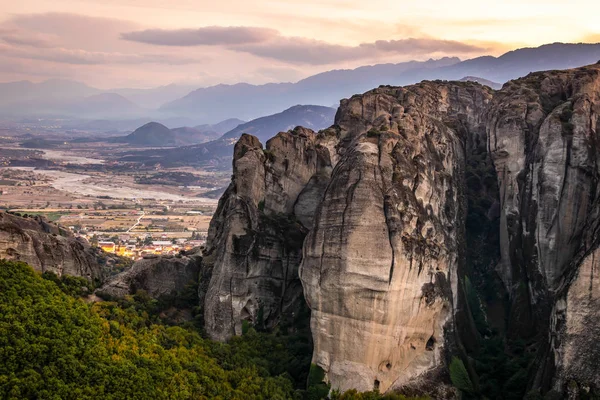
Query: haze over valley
x=279, y=200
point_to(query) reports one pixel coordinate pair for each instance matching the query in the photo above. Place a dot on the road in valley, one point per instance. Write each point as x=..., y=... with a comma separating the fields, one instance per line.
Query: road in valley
x=137, y=222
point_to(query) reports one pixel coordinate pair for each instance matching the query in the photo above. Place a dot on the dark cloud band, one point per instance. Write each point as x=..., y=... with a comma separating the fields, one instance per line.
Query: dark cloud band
x=269, y=43
x=207, y=36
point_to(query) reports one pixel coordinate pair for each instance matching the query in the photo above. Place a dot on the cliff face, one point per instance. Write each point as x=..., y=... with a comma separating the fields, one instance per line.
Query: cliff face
x=380, y=195
x=543, y=136
x=255, y=238
x=47, y=247
x=380, y=264
x=373, y=211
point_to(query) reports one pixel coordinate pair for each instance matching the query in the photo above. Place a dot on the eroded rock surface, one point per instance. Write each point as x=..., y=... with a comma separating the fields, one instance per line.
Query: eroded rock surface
x=48, y=247
x=380, y=264
x=255, y=237
x=157, y=276
x=373, y=210
x=544, y=139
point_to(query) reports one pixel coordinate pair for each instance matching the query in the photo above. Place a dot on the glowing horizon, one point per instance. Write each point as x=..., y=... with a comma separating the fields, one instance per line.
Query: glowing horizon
x=146, y=43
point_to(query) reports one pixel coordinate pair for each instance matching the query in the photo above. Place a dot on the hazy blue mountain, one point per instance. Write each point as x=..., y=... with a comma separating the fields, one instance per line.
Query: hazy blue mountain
x=249, y=101
x=218, y=153
x=221, y=127
x=100, y=105
x=150, y=134
x=155, y=97
x=186, y=135
x=64, y=98
x=313, y=117
x=113, y=126
x=59, y=89
x=520, y=62
x=493, y=85
x=103, y=105
x=155, y=134
x=241, y=100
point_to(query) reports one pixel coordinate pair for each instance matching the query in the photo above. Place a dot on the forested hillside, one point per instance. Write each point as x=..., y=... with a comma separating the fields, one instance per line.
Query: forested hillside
x=55, y=345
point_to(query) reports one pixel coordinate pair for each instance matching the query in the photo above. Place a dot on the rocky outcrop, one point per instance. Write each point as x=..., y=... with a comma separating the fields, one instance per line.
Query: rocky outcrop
x=157, y=276
x=544, y=140
x=380, y=264
x=374, y=210
x=255, y=237
x=48, y=247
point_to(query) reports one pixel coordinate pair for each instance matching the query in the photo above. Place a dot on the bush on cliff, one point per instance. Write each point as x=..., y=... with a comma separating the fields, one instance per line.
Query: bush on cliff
x=460, y=376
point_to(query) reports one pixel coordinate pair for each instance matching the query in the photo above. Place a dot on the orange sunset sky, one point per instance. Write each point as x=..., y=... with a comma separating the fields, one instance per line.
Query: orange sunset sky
x=146, y=43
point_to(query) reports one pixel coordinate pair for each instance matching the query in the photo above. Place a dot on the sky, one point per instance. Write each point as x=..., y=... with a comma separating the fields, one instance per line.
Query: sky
x=148, y=43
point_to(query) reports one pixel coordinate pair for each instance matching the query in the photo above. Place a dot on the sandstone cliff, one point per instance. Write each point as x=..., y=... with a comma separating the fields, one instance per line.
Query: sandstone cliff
x=380, y=264
x=255, y=237
x=378, y=211
x=48, y=247
x=544, y=140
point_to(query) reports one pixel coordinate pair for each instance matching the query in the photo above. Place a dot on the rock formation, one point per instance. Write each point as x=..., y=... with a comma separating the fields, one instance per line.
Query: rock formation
x=158, y=276
x=48, y=247
x=544, y=140
x=255, y=237
x=385, y=227
x=374, y=211
x=380, y=264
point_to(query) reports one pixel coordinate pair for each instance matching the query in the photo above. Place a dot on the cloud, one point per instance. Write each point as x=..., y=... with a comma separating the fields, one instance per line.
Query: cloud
x=269, y=43
x=25, y=69
x=424, y=46
x=315, y=52
x=78, y=40
x=207, y=36
x=20, y=37
x=84, y=57
x=107, y=50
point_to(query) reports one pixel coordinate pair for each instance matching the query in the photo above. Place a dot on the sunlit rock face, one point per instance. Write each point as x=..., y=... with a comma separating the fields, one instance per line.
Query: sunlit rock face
x=367, y=218
x=544, y=140
x=380, y=265
x=250, y=267
x=48, y=247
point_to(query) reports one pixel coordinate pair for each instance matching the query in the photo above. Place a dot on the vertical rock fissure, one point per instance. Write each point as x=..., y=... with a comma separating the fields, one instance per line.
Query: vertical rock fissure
x=349, y=200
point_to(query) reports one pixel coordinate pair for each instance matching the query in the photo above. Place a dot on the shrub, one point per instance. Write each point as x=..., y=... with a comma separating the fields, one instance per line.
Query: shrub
x=373, y=132
x=459, y=376
x=269, y=155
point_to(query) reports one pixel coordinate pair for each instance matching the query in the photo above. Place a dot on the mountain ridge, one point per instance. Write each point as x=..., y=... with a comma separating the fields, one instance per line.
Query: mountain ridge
x=248, y=101
x=329, y=87
x=217, y=153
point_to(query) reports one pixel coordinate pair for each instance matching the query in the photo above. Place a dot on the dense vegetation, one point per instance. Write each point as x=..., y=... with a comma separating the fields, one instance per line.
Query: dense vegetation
x=54, y=345
x=500, y=365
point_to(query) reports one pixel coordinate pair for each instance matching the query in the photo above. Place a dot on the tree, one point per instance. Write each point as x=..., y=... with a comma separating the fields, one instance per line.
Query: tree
x=459, y=375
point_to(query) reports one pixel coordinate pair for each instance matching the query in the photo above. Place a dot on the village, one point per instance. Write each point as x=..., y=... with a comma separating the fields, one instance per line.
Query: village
x=127, y=247
x=127, y=214
x=138, y=233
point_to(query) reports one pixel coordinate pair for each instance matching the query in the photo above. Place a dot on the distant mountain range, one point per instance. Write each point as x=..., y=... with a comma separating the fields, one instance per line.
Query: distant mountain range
x=99, y=105
x=493, y=85
x=252, y=101
x=53, y=89
x=154, y=134
x=249, y=101
x=313, y=117
x=208, y=105
x=218, y=153
x=65, y=98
